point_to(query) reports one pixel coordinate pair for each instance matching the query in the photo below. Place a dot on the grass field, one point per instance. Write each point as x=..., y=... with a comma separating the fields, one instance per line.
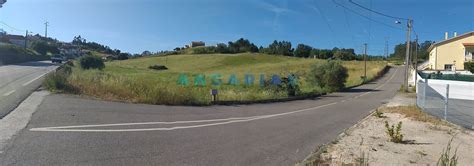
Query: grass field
x=132, y=80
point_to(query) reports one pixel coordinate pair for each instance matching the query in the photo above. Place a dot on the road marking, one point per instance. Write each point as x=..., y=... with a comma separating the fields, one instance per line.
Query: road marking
x=219, y=121
x=29, y=82
x=9, y=93
x=236, y=120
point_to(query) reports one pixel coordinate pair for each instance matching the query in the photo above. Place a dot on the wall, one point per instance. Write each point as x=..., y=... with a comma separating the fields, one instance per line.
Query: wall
x=457, y=89
x=20, y=43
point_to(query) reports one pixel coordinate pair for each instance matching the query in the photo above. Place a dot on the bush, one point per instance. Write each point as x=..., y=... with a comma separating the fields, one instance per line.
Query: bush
x=469, y=66
x=91, y=62
x=58, y=81
x=204, y=50
x=330, y=75
x=158, y=67
x=394, y=133
x=379, y=114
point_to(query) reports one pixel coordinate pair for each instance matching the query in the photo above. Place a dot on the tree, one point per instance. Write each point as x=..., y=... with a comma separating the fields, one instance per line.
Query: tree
x=44, y=48
x=303, y=50
x=146, y=53
x=423, y=53
x=344, y=54
x=123, y=56
x=242, y=45
x=279, y=48
x=469, y=66
x=324, y=54
x=222, y=48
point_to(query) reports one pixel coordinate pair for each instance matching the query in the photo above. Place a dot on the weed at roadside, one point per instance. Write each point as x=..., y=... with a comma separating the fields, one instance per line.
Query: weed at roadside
x=394, y=133
x=446, y=158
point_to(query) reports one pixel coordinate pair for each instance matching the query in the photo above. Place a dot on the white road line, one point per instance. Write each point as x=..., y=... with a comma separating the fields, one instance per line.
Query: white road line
x=244, y=119
x=9, y=93
x=226, y=121
x=29, y=82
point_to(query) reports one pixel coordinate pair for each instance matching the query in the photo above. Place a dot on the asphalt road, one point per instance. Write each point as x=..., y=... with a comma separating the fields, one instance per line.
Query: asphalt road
x=260, y=134
x=19, y=81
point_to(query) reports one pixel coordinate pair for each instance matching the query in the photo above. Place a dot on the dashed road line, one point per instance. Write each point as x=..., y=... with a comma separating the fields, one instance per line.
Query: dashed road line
x=29, y=82
x=9, y=93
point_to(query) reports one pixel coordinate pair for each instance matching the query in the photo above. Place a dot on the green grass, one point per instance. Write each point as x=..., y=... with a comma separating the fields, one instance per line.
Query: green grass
x=132, y=80
x=10, y=54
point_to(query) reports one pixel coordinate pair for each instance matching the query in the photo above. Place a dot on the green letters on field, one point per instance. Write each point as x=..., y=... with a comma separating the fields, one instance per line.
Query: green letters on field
x=233, y=80
x=200, y=80
x=183, y=80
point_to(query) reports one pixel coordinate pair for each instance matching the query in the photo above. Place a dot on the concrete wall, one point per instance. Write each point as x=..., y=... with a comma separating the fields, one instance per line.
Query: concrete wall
x=457, y=89
x=449, y=52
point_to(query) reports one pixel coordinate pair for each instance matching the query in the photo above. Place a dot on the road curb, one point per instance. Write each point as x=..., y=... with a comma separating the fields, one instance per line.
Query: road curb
x=19, y=118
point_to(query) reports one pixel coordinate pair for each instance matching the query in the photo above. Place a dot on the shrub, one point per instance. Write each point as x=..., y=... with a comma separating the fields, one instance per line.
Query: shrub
x=330, y=75
x=446, y=159
x=204, y=50
x=469, y=66
x=379, y=114
x=58, y=81
x=394, y=133
x=91, y=62
x=158, y=67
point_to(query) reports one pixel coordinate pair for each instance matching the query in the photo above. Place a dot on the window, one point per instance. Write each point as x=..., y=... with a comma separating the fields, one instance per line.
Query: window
x=448, y=67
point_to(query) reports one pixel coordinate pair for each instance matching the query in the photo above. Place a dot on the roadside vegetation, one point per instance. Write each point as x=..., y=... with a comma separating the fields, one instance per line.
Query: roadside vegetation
x=10, y=54
x=139, y=81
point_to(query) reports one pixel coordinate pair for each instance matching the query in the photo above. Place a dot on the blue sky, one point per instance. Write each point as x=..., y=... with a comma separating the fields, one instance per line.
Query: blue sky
x=138, y=25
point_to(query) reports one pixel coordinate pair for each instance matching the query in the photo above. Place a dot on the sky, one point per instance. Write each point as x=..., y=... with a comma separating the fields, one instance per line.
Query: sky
x=154, y=25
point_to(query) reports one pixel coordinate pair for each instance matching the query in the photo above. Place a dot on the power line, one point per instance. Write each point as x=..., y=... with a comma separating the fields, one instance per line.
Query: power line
x=380, y=13
x=11, y=27
x=364, y=16
x=327, y=22
x=349, y=26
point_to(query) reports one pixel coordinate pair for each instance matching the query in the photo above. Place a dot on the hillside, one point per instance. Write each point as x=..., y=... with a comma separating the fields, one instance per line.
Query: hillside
x=10, y=54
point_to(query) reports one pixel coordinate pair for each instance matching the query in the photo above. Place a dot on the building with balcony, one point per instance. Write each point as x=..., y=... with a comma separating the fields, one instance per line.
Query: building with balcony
x=451, y=53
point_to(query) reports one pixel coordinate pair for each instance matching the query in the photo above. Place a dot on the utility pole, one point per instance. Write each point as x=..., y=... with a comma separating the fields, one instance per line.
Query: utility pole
x=46, y=24
x=365, y=62
x=407, y=54
x=416, y=58
x=386, y=47
x=26, y=39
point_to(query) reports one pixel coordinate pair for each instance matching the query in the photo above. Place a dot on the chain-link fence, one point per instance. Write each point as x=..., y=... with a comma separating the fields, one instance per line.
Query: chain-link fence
x=457, y=111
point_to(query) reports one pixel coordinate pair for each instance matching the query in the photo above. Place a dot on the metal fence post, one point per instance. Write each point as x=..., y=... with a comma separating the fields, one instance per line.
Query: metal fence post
x=446, y=99
x=424, y=92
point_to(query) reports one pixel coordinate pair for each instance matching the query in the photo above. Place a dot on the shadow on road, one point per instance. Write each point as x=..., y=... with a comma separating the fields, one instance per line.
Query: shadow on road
x=359, y=90
x=35, y=64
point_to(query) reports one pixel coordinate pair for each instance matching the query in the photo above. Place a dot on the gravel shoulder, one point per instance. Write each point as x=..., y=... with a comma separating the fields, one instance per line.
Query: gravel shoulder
x=425, y=139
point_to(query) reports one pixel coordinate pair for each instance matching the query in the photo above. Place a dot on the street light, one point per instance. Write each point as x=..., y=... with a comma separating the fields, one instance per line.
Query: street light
x=407, y=54
x=2, y=2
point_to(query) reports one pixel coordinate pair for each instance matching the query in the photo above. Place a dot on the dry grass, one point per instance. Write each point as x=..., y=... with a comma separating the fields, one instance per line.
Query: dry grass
x=132, y=80
x=414, y=113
